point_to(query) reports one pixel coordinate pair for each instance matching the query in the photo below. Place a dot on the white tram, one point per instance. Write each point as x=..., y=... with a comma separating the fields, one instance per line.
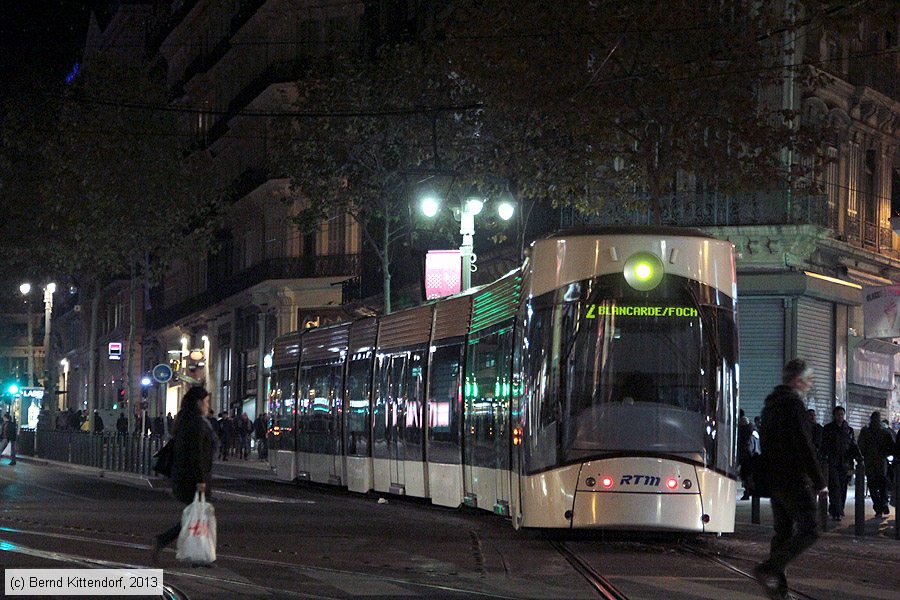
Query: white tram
x=595, y=387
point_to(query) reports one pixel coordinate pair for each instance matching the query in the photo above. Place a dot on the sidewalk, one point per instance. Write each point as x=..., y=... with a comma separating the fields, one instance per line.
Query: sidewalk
x=875, y=526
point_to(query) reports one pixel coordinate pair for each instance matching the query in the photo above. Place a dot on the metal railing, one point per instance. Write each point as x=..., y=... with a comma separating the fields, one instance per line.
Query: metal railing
x=125, y=452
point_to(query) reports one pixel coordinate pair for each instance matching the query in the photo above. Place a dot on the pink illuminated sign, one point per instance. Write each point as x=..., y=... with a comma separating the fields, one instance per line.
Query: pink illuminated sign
x=443, y=275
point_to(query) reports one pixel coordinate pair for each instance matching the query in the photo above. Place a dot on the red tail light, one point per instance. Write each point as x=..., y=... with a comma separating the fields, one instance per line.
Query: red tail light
x=606, y=482
x=671, y=483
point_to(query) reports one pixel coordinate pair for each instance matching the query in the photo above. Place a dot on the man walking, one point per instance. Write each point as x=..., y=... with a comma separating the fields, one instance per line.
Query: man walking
x=793, y=474
x=875, y=445
x=9, y=433
x=838, y=451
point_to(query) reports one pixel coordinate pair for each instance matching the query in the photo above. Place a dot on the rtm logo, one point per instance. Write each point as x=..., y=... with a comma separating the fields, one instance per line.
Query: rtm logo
x=648, y=480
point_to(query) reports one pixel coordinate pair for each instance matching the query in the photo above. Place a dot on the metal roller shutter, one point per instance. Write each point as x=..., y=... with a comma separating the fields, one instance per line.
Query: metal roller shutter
x=815, y=344
x=761, y=335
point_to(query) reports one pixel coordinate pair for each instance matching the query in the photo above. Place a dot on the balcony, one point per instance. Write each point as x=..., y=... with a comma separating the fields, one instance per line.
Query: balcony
x=277, y=72
x=876, y=72
x=226, y=285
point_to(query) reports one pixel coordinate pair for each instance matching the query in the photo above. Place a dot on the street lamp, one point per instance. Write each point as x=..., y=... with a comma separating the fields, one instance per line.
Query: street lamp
x=25, y=289
x=470, y=207
x=49, y=290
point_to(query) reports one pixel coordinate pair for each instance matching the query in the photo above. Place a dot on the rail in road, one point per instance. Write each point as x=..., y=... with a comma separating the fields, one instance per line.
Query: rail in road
x=597, y=581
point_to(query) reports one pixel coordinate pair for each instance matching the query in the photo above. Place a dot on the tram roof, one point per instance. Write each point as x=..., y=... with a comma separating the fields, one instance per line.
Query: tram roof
x=630, y=230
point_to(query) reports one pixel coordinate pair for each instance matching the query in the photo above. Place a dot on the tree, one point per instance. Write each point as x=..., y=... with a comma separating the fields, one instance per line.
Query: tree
x=370, y=141
x=591, y=102
x=117, y=196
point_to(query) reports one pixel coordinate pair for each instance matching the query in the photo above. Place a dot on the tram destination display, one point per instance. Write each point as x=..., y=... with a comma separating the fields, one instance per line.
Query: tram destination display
x=604, y=310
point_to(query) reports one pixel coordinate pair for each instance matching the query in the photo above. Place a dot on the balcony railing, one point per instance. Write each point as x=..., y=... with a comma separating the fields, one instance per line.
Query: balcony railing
x=340, y=265
x=278, y=72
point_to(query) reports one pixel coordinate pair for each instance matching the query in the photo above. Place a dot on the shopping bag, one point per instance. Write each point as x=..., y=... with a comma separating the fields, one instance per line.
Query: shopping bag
x=197, y=539
x=7, y=449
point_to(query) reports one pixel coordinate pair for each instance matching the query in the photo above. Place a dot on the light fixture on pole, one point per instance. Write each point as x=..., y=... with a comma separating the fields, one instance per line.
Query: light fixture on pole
x=49, y=290
x=25, y=290
x=470, y=207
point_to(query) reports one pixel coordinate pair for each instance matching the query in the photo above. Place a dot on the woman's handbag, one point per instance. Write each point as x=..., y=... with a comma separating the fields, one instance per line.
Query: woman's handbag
x=163, y=459
x=197, y=539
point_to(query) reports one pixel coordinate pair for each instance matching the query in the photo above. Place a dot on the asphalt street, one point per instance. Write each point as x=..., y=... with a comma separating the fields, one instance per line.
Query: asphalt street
x=281, y=540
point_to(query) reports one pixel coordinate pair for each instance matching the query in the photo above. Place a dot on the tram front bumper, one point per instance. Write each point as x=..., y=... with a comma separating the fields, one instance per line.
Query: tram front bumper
x=624, y=510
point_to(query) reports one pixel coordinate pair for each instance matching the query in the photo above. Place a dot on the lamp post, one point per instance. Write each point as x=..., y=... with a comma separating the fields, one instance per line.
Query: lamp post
x=469, y=208
x=25, y=289
x=49, y=367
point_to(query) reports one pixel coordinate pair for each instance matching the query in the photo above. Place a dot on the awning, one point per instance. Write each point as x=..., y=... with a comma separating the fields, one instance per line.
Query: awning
x=800, y=283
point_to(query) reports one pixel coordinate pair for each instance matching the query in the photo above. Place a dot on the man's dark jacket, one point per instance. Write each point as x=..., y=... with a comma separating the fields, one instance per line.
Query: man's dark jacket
x=788, y=453
x=194, y=447
x=839, y=446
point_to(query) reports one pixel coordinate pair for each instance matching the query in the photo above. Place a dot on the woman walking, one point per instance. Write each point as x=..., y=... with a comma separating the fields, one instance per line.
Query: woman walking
x=194, y=450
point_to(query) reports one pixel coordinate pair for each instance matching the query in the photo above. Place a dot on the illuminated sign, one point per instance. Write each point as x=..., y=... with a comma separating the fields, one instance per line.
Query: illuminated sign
x=115, y=350
x=443, y=274
x=604, y=310
x=33, y=392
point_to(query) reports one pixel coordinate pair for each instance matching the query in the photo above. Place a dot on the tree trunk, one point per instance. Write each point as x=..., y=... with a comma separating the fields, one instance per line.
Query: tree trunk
x=129, y=361
x=92, y=354
x=386, y=262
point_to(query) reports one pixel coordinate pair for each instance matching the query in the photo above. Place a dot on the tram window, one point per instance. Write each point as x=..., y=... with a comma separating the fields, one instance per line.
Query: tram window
x=389, y=413
x=412, y=431
x=281, y=408
x=444, y=405
x=627, y=378
x=317, y=430
x=487, y=400
x=357, y=408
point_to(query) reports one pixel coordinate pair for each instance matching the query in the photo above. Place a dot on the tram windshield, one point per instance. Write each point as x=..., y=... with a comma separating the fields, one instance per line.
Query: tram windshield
x=612, y=370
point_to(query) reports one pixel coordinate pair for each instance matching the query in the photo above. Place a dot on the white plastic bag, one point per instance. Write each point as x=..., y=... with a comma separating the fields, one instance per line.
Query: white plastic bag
x=197, y=539
x=7, y=449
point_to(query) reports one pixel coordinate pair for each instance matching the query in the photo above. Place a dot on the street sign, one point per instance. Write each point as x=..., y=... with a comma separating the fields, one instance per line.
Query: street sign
x=115, y=351
x=442, y=273
x=162, y=373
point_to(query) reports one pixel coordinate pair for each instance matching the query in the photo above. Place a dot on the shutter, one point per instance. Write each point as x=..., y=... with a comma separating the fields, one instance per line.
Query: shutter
x=815, y=345
x=761, y=335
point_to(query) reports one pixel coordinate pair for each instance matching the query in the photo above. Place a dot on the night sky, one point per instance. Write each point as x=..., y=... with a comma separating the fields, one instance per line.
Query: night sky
x=42, y=38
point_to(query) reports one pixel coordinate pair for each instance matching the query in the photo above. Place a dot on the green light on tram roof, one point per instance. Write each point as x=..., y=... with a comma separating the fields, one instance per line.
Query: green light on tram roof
x=643, y=271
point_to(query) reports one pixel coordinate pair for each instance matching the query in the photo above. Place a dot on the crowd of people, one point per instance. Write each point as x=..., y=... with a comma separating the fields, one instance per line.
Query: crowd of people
x=234, y=435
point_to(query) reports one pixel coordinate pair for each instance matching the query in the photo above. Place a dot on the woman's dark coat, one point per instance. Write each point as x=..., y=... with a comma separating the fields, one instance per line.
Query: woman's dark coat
x=194, y=448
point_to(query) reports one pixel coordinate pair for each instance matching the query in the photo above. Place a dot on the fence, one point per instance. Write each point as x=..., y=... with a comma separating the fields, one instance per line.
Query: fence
x=126, y=452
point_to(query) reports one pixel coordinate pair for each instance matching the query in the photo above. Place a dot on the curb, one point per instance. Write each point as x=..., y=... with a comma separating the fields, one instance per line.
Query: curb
x=120, y=476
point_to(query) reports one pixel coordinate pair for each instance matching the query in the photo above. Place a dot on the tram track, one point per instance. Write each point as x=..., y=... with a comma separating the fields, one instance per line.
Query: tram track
x=714, y=557
x=174, y=593
x=597, y=581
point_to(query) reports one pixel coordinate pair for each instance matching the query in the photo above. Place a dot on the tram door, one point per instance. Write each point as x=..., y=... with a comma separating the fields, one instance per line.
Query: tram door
x=488, y=389
x=398, y=426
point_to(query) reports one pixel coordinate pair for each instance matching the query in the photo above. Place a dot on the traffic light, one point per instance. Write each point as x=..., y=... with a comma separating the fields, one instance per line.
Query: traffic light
x=13, y=389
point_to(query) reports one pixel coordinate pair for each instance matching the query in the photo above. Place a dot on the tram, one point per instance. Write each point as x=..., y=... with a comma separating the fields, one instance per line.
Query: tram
x=594, y=387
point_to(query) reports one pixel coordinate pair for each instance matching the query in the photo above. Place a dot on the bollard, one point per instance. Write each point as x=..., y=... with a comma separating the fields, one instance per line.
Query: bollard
x=822, y=500
x=860, y=522
x=754, y=509
x=896, y=496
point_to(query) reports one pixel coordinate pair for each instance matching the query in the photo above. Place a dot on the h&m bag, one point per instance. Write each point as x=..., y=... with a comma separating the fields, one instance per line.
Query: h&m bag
x=163, y=459
x=197, y=540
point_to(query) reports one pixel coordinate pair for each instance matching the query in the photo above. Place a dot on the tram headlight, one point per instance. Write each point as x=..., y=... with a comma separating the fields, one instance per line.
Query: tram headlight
x=643, y=271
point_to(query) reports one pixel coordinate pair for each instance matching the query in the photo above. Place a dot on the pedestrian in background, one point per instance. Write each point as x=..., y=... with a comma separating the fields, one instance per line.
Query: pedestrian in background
x=748, y=450
x=875, y=445
x=245, y=430
x=195, y=447
x=170, y=422
x=98, y=422
x=226, y=434
x=793, y=475
x=259, y=428
x=9, y=433
x=122, y=426
x=839, y=451
x=815, y=432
